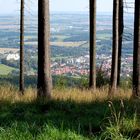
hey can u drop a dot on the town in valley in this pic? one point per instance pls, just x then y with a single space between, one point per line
69 44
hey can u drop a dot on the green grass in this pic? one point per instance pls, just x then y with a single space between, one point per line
71 114
4 70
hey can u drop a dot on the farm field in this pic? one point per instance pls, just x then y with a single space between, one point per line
5 50
4 70
65 44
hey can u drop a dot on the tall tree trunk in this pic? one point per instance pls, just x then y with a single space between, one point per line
121 27
92 76
44 72
21 83
114 69
136 61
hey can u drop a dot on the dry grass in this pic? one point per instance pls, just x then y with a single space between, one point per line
88 95
12 94
71 114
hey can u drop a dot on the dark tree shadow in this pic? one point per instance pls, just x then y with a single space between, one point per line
83 118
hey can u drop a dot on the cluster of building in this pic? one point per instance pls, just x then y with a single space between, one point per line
77 66
9 54
12 57
80 65
74 66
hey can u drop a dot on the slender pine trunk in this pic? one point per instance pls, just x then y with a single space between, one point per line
121 27
92 76
136 61
21 82
114 69
44 72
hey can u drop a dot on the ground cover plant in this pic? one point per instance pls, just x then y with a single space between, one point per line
71 114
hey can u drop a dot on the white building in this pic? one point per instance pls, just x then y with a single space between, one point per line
13 57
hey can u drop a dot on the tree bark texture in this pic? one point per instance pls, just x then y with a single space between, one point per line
44 72
121 29
92 76
21 82
114 69
136 61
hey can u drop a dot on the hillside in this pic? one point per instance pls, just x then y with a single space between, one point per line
4 70
71 114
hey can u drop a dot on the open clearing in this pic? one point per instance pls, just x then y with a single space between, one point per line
71 114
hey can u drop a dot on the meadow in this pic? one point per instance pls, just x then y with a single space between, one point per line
4 69
71 114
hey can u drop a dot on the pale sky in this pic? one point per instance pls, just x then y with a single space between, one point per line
12 6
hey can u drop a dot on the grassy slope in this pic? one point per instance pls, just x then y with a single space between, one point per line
71 114
4 70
